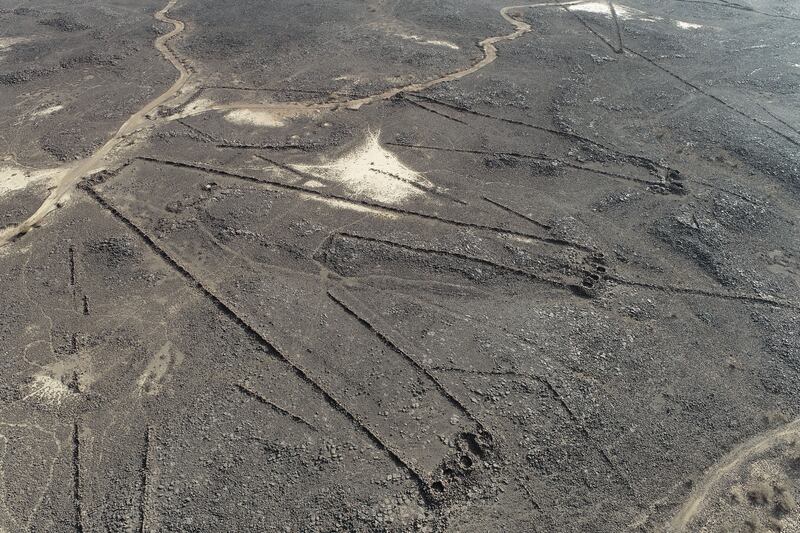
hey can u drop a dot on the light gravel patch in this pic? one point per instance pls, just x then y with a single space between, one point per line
370 171
246 117
13 178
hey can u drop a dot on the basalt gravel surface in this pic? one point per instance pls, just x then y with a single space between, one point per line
400 266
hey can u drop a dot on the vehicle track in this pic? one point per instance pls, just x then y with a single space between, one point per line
358 202
573 288
375 325
396 456
66 183
733 459
489 55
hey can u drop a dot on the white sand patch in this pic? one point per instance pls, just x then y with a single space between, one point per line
601 8
434 42
623 12
594 7
687 25
14 178
526 240
48 390
370 171
446 44
8 42
47 111
245 117
152 380
313 183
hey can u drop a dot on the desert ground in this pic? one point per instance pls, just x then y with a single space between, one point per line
400 265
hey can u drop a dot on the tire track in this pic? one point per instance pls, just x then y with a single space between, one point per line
70 178
67 182
260 339
284 90
278 409
672 175
702 292
678 77
591 30
364 203
517 213
729 5
488 47
733 459
576 289
620 47
578 423
779 119
715 98
543 159
404 98
557 397
358 310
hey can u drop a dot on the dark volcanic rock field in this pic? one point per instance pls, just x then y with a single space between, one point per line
400 266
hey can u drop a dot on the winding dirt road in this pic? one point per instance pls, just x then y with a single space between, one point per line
734 459
489 55
72 175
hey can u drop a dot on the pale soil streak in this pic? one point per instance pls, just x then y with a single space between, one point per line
489 55
732 460
70 178
4 490
95 162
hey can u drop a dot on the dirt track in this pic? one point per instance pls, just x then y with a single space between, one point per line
64 184
362 268
733 460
